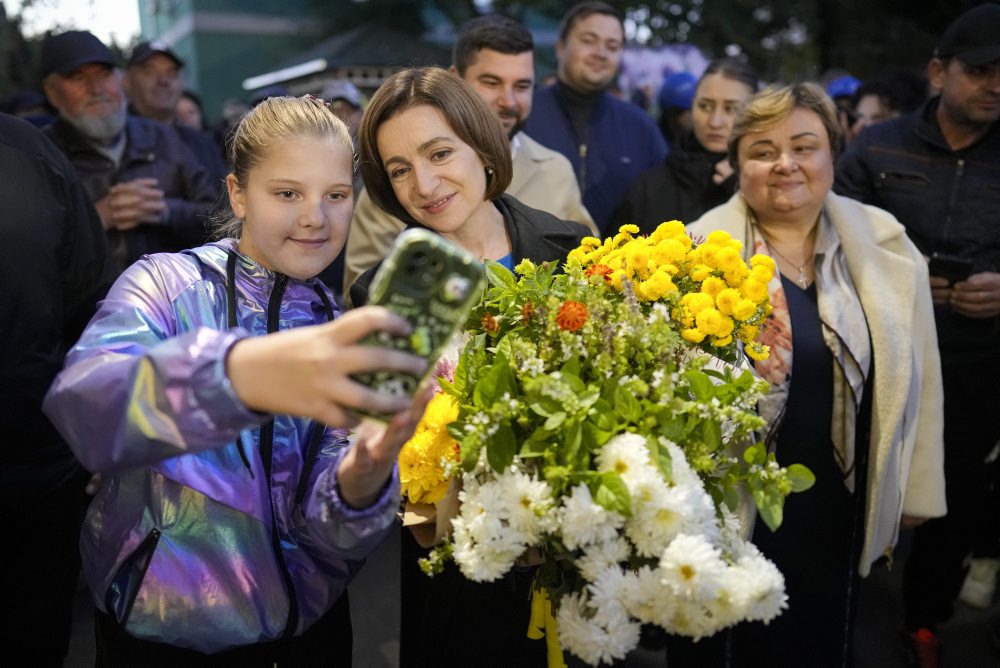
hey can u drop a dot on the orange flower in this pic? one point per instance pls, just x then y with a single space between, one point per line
490 324
572 315
601 270
527 311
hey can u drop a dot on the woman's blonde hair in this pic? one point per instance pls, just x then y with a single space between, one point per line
274 120
773 105
465 112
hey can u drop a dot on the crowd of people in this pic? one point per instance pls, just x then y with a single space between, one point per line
183 315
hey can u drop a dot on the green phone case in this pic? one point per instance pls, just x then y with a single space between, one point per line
432 283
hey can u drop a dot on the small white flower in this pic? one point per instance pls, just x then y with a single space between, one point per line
590 640
692 567
767 596
625 454
599 556
584 522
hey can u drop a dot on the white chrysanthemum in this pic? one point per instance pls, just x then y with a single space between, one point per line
647 598
526 501
692 567
767 596
692 619
625 454
731 598
607 596
584 522
590 640
658 516
480 511
681 471
486 561
599 556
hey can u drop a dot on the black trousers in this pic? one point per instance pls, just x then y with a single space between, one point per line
327 643
41 510
934 571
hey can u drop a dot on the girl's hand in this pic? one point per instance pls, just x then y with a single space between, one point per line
308 371
366 467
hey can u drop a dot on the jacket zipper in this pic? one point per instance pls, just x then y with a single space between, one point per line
266 452
953 196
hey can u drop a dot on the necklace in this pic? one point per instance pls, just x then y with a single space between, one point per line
803 279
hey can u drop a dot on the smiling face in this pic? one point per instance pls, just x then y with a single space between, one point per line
591 53
786 170
296 205
506 82
716 101
438 178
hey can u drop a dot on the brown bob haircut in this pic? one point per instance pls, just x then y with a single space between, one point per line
465 112
773 105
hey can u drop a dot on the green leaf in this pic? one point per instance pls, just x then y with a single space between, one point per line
470 446
571 367
673 428
755 454
501 448
500 275
770 505
612 494
800 477
627 406
493 384
701 385
711 434
555 420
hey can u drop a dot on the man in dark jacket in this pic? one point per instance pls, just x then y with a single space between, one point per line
52 272
147 186
938 171
153 84
609 142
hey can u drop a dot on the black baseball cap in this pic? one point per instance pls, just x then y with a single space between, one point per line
974 37
144 50
67 52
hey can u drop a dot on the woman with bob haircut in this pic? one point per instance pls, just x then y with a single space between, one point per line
436 156
854 371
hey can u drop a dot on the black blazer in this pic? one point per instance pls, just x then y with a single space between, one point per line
534 235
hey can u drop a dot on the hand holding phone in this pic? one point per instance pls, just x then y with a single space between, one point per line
433 284
950 267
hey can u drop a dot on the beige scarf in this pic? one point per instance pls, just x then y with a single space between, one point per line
845 332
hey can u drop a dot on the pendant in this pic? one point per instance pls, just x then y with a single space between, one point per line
803 278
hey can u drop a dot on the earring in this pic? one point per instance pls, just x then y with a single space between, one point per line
489 170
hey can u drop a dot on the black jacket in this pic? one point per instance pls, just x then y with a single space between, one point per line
53 270
949 201
680 188
534 235
152 149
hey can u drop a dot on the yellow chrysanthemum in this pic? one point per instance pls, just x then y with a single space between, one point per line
744 309
758 351
657 286
693 334
422 474
713 286
754 290
695 302
726 299
700 272
759 260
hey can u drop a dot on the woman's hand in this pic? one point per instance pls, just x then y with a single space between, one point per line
366 467
308 371
723 170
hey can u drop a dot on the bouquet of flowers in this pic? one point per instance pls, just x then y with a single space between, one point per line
601 425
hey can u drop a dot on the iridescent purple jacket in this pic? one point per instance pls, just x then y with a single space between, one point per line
179 544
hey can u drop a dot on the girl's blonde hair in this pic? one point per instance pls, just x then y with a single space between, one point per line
274 120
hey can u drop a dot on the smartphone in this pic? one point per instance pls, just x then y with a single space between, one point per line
952 267
432 283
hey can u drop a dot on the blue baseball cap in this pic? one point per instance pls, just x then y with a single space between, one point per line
67 52
844 86
677 91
